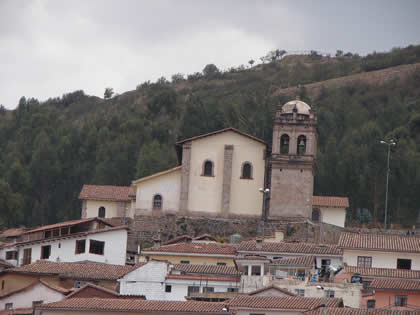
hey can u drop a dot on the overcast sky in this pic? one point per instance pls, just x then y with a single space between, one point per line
48 48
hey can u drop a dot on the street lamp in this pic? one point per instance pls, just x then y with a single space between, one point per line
389 144
325 298
265 192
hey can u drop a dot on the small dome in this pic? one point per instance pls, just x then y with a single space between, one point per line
301 107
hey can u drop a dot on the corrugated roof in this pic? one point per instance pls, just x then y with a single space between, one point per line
330 201
106 192
206 269
76 270
384 272
396 284
380 242
193 248
280 302
132 305
291 247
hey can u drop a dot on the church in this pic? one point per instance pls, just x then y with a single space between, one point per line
228 174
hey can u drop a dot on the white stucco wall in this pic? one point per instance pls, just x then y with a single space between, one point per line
92 208
167 185
205 193
63 250
3 255
335 216
381 259
38 292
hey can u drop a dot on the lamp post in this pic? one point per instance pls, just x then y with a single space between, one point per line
265 192
389 144
325 298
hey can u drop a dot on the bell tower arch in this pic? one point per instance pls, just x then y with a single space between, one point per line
293 160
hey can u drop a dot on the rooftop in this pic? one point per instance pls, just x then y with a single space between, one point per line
206 269
396 284
290 247
384 272
105 192
358 311
380 242
204 278
65 224
302 261
296 105
193 248
271 287
327 201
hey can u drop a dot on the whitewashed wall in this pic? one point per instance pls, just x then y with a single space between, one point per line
335 216
381 259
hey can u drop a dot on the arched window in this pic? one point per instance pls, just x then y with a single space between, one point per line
284 144
316 215
246 171
101 212
157 202
208 168
301 145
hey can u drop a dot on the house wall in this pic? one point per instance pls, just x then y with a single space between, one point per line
92 208
386 298
3 251
381 259
63 250
167 185
25 298
331 215
13 282
197 260
205 193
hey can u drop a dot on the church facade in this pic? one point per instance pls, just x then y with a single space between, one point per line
221 174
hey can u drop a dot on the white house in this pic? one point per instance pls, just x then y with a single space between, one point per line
380 250
160 280
78 240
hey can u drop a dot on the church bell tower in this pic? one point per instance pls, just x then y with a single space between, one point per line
293 160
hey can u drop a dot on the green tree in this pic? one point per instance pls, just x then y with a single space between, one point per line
154 157
108 93
11 206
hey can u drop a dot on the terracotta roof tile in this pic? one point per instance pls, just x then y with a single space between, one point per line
396 284
179 239
33 285
63 224
272 287
380 242
328 201
290 247
301 261
79 270
194 248
358 311
17 311
100 304
111 293
206 269
204 278
384 272
105 192
13 232
221 131
279 302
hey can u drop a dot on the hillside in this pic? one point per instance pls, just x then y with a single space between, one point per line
50 149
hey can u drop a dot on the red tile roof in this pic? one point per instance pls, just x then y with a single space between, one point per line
281 303
271 287
358 311
17 311
204 278
302 261
290 247
77 270
396 284
64 224
384 272
34 284
134 305
13 232
380 242
104 192
328 201
220 131
87 286
193 248
206 269
182 238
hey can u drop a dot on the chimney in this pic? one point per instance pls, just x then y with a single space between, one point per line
259 242
157 242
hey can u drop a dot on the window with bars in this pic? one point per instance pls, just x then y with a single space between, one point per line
157 202
364 261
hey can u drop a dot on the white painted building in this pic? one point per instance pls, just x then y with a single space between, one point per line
79 240
160 280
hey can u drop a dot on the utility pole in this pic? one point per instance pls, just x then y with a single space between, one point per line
389 144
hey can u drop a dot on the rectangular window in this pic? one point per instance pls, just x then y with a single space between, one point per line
96 247
185 261
403 263
221 264
80 246
193 289
371 303
233 289
8 306
330 293
2 284
11 255
364 261
45 251
401 300
208 289
256 270
168 288
300 292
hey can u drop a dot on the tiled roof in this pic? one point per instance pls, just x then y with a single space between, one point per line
327 201
194 248
291 247
104 192
280 302
17 311
358 311
271 287
142 179
252 257
301 261
13 232
206 269
204 237
384 272
34 284
204 278
5 264
220 131
381 242
111 293
77 270
132 305
63 224
179 239
396 284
